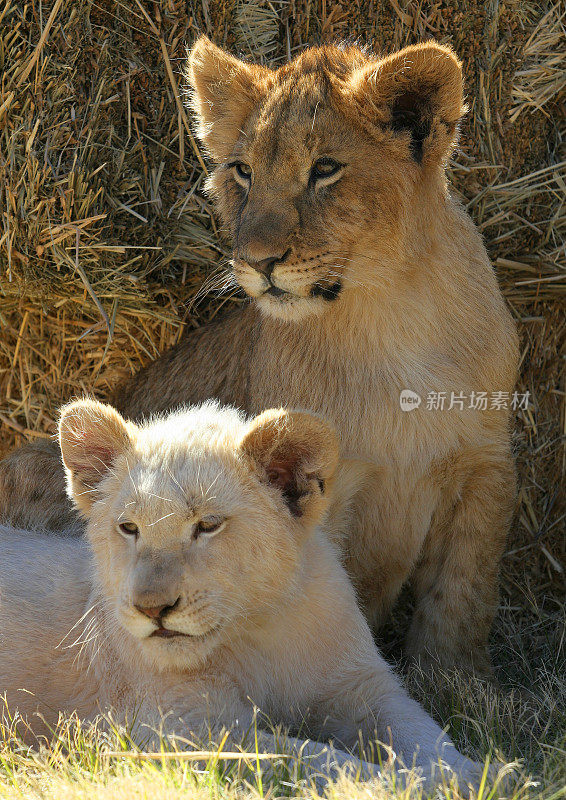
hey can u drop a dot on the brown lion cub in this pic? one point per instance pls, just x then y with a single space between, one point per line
205 588
368 279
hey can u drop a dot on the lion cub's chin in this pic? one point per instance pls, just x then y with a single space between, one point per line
291 308
179 653
289 299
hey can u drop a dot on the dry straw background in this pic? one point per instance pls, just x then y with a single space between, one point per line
106 236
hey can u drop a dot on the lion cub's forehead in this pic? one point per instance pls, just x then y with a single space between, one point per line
210 425
300 113
187 464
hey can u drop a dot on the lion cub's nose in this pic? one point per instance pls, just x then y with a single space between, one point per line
156 612
265 265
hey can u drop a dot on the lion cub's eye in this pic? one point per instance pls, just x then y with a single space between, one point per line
243 172
128 529
325 168
208 525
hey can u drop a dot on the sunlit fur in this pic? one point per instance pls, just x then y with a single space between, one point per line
270 615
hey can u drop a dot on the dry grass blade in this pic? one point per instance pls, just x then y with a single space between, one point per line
257 28
196 755
541 78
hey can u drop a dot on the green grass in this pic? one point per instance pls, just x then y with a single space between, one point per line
520 722
87 762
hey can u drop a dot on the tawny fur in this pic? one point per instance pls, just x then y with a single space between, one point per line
264 614
388 287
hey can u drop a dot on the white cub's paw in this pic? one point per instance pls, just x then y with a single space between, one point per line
467 773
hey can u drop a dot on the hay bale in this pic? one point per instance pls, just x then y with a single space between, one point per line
106 236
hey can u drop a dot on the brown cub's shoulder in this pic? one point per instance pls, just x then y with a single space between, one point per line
208 363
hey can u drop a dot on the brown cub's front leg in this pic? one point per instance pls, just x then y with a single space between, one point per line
456 579
32 489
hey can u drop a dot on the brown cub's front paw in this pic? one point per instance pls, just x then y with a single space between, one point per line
32 489
432 666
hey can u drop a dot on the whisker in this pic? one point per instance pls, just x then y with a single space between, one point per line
151 524
167 499
206 497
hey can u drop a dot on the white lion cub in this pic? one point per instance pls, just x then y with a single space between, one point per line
205 588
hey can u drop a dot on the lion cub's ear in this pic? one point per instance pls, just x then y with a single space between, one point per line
417 91
297 453
225 90
91 436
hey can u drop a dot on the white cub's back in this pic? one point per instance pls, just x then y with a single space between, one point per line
43 591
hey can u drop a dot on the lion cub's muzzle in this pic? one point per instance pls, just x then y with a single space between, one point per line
284 277
265 266
167 616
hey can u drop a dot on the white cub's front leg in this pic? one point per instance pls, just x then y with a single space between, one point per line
207 721
320 761
418 741
374 702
